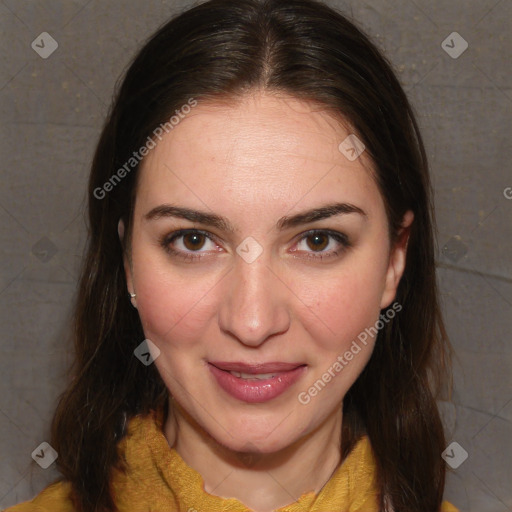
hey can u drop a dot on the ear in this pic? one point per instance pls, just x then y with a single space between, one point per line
126 262
397 259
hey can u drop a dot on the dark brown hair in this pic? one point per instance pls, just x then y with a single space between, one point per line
220 50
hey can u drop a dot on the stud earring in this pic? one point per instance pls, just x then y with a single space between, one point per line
133 295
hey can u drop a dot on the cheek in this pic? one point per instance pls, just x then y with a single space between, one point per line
171 307
344 306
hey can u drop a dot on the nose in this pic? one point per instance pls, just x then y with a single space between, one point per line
256 303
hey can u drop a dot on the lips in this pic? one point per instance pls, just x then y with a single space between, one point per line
255 368
255 382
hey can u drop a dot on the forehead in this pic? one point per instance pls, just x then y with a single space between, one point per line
255 152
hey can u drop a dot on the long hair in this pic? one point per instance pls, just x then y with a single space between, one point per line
221 49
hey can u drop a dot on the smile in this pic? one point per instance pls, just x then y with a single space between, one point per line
249 384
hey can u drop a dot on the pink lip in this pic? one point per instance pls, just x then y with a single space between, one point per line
256 391
255 368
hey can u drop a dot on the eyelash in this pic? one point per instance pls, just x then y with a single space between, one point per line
167 240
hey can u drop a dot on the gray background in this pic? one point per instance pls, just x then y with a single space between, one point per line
52 110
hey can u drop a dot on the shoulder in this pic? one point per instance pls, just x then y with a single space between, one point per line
446 506
53 498
361 464
56 497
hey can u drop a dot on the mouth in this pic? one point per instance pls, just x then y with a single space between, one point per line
256 383
255 367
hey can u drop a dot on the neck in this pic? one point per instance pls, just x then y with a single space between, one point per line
263 482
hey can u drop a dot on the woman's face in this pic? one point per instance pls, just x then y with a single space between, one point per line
256 279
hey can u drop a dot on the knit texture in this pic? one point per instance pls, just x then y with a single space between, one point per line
159 480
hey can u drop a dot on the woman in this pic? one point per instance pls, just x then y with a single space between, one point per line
257 325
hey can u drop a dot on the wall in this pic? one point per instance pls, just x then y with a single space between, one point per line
52 110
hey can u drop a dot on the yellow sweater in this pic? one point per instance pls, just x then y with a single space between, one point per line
159 480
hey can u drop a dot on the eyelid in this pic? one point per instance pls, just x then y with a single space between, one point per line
339 237
170 237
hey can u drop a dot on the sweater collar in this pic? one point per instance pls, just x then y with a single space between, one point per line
148 453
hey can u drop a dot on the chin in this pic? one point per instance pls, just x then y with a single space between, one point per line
267 439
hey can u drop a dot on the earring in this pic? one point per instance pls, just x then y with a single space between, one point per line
133 295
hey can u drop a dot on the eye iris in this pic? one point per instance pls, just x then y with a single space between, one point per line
316 237
197 243
194 241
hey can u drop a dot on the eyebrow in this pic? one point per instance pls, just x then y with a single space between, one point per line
221 223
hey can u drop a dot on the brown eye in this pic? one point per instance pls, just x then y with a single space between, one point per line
193 241
323 244
187 244
319 241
